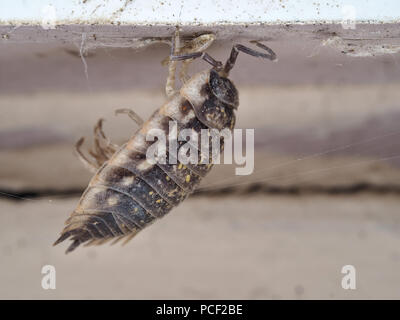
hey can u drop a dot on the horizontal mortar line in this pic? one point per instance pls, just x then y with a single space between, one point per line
255 188
259 188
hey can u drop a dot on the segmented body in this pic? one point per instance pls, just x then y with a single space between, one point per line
129 193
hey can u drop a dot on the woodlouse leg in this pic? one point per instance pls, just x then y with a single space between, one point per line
184 69
203 55
175 47
103 148
92 167
269 54
132 114
198 44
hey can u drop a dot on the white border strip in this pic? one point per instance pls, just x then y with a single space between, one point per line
197 11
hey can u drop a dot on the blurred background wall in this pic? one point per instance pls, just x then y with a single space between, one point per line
324 193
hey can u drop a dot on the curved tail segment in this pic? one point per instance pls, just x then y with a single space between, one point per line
95 229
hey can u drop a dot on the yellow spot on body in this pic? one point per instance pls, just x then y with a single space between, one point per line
112 201
159 201
167 178
151 192
136 209
187 178
180 166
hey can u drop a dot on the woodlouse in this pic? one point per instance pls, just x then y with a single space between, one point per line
127 193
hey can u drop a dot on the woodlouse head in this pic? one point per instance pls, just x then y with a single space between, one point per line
223 89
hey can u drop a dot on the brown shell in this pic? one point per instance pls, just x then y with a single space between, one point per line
128 193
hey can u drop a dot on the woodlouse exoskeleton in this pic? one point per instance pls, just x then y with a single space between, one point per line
127 193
